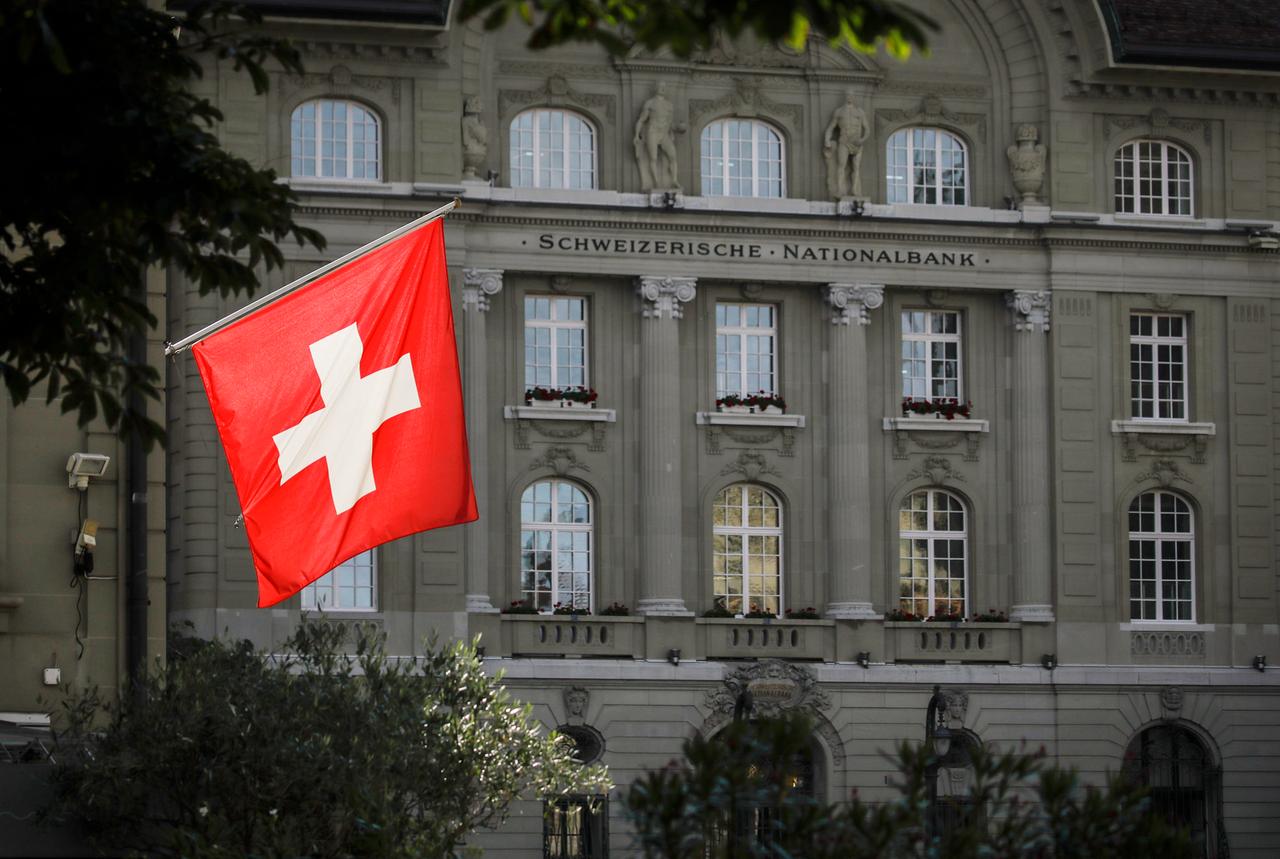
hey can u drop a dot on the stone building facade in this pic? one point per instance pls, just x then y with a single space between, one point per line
1077 248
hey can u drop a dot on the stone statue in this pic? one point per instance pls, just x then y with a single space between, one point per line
1026 163
575 702
842 149
475 138
655 143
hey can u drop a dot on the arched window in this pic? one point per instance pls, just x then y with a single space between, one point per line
1153 178
555 545
932 554
746 549
1174 765
742 158
335 139
927 165
552 149
1161 551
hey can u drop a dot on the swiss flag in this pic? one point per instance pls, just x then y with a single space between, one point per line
340 410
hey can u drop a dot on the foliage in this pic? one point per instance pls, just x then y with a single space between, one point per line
317 752
809 613
948 407
761 401
717 610
703 807
615 609
116 169
686 26
573 394
524 606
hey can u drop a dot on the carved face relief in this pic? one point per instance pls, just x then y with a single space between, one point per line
575 701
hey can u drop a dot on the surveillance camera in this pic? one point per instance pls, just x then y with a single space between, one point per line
82 466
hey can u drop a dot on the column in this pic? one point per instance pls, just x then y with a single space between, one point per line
478 284
1032 529
661 567
849 450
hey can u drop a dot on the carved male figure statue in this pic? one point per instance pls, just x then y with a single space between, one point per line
475 138
655 143
842 148
1026 163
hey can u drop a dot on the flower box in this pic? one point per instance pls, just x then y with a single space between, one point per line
564 398
942 408
761 403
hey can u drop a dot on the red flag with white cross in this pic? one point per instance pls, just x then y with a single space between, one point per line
340 409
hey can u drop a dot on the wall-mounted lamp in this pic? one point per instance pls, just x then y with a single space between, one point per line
1264 240
669 199
673 656
492 176
480 653
1260 662
83 466
864 658
1049 661
852 207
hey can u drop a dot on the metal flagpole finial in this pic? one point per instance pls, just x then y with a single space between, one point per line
192 339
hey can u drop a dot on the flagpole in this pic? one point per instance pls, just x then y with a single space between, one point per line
192 339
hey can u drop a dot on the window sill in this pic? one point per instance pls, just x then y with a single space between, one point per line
1166 626
937 425
1122 427
762 621
570 618
1160 220
740 419
942 624
361 187
559 413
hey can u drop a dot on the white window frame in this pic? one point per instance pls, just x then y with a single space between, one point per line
745 533
905 140
707 159
1163 541
928 337
356 114
555 325
561 539
322 594
1155 341
930 535
743 331
536 151
1129 200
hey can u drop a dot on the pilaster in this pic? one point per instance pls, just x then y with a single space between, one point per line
661 565
478 286
848 446
1032 526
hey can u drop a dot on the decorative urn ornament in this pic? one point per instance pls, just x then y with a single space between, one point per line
1026 163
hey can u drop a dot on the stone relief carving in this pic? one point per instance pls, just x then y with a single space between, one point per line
957 707
936 441
341 78
576 699
723 52
1165 472
662 296
561 460
557 92
560 431
1157 122
751 466
842 149
1026 163
936 469
745 100
475 138
426 50
774 686
478 285
1196 445
655 143
932 112
1171 701
1030 308
752 438
853 301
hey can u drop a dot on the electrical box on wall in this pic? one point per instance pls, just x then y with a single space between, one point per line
52 676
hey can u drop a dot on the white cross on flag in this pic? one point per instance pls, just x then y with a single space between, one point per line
340 410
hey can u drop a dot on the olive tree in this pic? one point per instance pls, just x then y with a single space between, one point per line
316 751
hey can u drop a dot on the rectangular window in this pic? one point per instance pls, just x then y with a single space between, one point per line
575 827
746 349
555 342
351 586
931 354
1158 366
